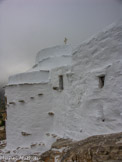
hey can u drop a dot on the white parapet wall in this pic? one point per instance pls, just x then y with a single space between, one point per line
88 102
32 77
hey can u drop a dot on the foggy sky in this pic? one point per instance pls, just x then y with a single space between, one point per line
26 26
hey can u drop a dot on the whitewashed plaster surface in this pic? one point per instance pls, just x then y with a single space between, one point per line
57 51
41 76
82 108
30 116
88 109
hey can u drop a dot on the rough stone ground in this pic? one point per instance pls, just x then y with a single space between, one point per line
100 148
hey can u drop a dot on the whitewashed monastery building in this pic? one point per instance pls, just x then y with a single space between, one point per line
69 93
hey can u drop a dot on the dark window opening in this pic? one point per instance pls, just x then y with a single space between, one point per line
101 81
61 87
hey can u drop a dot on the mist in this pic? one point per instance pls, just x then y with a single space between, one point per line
28 26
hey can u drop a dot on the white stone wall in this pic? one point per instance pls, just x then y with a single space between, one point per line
82 108
87 109
30 101
27 111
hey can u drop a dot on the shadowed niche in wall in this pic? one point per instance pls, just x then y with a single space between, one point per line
55 88
32 98
61 86
21 101
51 113
12 103
101 81
40 94
25 134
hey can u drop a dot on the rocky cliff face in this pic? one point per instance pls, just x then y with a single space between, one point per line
2 99
102 148
2 114
2 133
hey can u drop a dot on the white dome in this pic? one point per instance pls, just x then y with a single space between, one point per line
56 51
53 57
46 60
